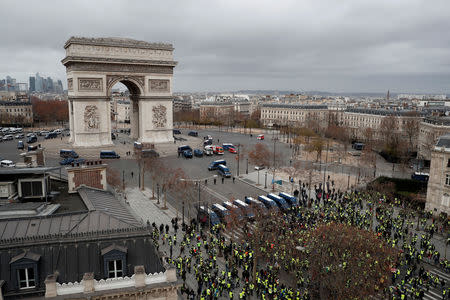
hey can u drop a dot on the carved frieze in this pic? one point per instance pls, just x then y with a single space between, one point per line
159 85
113 79
90 84
70 84
159 116
120 68
91 117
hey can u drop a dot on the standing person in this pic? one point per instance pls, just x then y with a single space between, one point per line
132 174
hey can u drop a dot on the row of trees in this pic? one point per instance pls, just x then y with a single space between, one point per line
230 119
49 111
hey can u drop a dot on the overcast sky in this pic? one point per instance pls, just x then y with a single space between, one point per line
342 46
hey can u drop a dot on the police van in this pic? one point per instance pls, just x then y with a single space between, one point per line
289 198
280 201
222 212
246 209
269 203
234 209
215 164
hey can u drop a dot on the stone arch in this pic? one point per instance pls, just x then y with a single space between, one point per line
95 65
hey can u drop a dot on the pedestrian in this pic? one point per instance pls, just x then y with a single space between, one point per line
233 179
132 174
223 179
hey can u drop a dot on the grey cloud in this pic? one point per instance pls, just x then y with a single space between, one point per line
329 45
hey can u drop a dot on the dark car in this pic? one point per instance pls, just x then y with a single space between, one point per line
207 142
51 135
176 131
113 136
32 139
67 161
20 145
198 153
193 133
187 153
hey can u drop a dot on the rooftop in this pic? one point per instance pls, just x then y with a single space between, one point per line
444 141
117 42
295 106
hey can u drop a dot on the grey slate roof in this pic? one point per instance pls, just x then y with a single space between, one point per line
444 141
105 202
27 255
19 171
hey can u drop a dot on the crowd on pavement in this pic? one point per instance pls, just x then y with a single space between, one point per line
213 266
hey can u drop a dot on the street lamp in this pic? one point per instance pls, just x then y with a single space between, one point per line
157 192
198 181
265 181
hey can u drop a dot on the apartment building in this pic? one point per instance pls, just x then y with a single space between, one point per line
438 192
431 128
16 112
284 114
216 110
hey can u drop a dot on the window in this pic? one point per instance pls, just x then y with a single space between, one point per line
31 188
25 278
447 179
115 268
448 163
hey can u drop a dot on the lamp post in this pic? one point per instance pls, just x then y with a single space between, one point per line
157 192
197 181
265 181
246 170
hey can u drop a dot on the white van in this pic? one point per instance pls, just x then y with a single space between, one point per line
7 164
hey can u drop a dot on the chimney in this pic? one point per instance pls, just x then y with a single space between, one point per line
92 174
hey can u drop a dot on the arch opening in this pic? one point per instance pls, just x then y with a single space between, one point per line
124 99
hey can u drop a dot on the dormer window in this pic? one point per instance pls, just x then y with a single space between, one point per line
114 261
24 268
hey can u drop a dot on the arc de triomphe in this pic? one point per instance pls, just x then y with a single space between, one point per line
95 65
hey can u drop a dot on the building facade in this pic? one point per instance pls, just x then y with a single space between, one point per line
300 115
16 112
431 128
438 191
215 110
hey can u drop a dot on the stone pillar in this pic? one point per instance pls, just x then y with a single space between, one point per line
134 118
171 275
50 286
139 276
88 281
172 294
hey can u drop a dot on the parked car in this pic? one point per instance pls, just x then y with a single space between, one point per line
176 131
8 137
32 147
113 136
43 132
30 134
207 142
259 168
32 139
20 145
64 153
198 153
67 161
182 148
193 133
7 163
19 136
260 137
232 150
187 153
51 135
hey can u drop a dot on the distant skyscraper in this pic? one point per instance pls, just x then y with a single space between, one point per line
32 84
387 96
50 85
39 85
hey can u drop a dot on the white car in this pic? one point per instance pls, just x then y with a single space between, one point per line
259 168
19 136
260 137
7 163
8 137
208 151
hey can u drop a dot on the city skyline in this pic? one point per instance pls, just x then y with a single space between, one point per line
223 46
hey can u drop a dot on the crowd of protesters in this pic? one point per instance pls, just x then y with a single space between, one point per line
224 269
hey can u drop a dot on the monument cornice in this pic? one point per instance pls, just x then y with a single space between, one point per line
88 98
117 42
107 60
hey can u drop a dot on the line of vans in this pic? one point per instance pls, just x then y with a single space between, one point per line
233 209
256 204
289 198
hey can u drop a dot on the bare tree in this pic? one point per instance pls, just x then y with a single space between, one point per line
317 146
390 135
411 128
113 179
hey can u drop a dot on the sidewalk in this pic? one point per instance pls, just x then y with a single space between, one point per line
147 209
